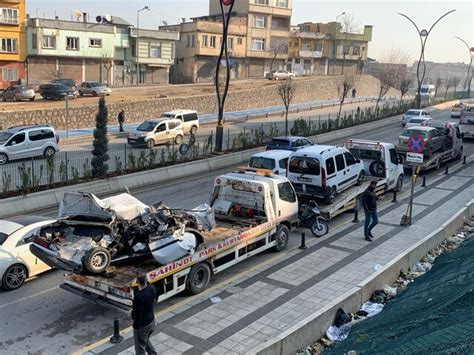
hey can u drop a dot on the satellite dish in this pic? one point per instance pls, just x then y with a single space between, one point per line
77 14
99 19
108 18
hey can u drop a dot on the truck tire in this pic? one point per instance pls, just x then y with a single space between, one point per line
331 196
97 260
281 237
198 278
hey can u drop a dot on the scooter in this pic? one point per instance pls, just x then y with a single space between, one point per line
309 216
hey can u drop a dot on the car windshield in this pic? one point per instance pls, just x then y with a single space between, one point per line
262 163
4 136
147 126
279 143
412 113
304 165
167 115
3 237
366 154
409 132
424 90
96 84
60 86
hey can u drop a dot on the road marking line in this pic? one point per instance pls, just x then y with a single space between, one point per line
28 297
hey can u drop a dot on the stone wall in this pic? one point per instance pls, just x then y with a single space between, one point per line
309 90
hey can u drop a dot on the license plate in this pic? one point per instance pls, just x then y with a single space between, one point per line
132 140
305 179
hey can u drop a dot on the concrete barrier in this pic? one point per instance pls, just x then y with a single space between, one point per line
315 325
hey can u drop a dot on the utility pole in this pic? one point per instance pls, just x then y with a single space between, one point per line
137 46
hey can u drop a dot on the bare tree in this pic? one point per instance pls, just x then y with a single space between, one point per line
456 82
448 84
277 47
437 84
387 79
346 84
348 25
286 91
107 64
404 85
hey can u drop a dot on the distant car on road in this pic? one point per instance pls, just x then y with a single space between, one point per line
18 93
280 75
413 113
421 121
55 91
157 131
17 263
94 88
71 83
292 143
274 160
27 141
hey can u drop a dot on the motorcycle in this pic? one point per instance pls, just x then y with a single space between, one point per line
309 216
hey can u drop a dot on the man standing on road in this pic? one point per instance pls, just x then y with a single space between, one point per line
121 120
354 91
369 201
143 316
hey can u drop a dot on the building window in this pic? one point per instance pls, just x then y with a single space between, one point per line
346 49
240 41
8 45
297 60
258 44
306 47
205 41
304 29
72 43
9 74
193 41
9 16
261 2
307 64
188 41
213 42
95 42
155 51
49 42
34 41
318 47
356 50
259 21
230 42
282 3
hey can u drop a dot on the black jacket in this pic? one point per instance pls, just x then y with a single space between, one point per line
369 199
121 117
142 311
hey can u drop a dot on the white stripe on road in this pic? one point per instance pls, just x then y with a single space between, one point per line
28 297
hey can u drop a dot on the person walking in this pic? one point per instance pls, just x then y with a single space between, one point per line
354 92
369 202
143 316
121 120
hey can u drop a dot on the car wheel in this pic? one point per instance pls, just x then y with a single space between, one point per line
151 143
32 99
94 93
3 158
194 129
49 152
97 260
16 98
360 178
199 278
281 237
399 185
331 197
178 139
14 277
81 93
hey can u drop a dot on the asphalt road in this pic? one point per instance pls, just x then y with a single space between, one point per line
41 318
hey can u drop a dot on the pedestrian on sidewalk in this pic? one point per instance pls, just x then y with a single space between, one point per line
354 91
369 202
121 120
143 316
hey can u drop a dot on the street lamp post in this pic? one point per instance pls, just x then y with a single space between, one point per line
423 38
137 46
223 53
335 45
469 69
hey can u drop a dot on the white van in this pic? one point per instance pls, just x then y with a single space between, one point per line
427 92
157 131
274 160
323 171
189 118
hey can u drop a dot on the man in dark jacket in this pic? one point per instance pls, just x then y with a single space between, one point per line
121 120
143 316
369 202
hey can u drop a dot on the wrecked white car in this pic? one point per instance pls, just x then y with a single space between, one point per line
92 233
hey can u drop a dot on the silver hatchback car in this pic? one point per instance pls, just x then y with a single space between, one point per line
93 88
27 141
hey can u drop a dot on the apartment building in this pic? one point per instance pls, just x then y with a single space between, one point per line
268 32
12 44
199 47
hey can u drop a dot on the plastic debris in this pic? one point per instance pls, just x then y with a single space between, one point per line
372 308
338 333
377 267
390 291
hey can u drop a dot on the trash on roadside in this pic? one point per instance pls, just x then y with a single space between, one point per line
216 299
377 267
338 333
372 308
390 291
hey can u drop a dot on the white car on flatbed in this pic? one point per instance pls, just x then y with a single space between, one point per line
253 211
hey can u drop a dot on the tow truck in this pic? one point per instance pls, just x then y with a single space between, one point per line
254 212
466 122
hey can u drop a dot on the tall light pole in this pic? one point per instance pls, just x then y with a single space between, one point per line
335 45
137 46
423 34
223 53
469 69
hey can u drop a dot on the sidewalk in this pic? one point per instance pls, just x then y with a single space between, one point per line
265 303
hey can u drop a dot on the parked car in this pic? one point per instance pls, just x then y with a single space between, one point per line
94 88
18 93
288 143
274 160
280 75
414 113
91 233
70 83
421 121
324 171
189 118
17 263
157 131
435 140
27 141
55 91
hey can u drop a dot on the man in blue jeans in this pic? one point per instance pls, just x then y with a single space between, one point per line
369 201
143 316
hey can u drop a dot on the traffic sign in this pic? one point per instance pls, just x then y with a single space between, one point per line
227 2
415 158
416 143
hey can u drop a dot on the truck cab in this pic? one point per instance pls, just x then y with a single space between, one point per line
380 160
466 122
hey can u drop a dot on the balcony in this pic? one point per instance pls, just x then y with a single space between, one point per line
309 35
311 54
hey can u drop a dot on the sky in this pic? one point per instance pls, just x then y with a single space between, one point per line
391 31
